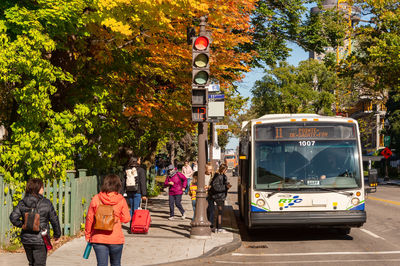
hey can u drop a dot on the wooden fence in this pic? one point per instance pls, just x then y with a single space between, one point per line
71 200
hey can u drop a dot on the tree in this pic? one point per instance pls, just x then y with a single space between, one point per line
374 64
89 83
287 89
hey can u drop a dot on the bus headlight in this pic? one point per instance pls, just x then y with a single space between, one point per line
355 201
260 202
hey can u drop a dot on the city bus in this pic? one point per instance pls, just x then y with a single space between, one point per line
301 170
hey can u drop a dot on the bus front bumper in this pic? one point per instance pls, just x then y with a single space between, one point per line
318 219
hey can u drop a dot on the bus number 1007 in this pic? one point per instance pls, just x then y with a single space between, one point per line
307 143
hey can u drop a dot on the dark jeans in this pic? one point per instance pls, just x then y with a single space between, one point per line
175 200
103 251
220 210
36 254
210 211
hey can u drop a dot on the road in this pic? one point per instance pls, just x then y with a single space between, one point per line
376 243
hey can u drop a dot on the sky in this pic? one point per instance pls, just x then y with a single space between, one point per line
297 55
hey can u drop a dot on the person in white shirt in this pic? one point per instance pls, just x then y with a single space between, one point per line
195 168
187 171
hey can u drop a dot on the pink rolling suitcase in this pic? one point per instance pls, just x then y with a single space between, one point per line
141 220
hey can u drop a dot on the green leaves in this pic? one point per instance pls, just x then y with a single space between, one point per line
287 89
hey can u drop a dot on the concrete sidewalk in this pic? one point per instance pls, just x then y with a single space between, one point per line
167 241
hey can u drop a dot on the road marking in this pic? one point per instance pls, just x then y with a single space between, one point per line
317 253
370 233
383 200
304 261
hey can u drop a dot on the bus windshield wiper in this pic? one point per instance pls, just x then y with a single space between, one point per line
334 190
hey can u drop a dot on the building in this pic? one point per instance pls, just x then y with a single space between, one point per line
369 108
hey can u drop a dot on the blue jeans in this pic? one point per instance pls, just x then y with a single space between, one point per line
188 185
103 251
134 201
194 207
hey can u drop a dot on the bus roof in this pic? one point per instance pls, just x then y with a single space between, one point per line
298 117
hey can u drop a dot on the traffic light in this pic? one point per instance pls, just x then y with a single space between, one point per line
200 77
201 58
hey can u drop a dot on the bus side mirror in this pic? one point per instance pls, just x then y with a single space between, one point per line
372 180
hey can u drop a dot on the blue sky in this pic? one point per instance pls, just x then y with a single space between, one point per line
297 55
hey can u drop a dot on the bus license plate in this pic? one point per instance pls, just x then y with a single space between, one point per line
313 182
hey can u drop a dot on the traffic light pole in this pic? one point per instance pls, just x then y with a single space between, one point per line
200 225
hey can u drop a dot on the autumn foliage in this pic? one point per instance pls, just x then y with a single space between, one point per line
96 81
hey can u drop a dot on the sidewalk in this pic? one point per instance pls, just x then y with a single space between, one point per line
167 241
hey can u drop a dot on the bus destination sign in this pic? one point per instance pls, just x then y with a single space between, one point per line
302 132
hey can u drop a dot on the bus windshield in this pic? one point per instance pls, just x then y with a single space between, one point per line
307 164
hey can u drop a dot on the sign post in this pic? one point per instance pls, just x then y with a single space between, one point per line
200 226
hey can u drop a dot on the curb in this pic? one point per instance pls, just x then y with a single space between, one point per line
229 247
220 250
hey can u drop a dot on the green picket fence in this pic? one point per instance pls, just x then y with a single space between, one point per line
71 200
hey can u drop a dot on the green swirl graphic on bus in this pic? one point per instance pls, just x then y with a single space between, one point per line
289 202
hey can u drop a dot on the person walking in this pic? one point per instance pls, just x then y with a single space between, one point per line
108 244
217 193
176 182
194 167
188 172
136 189
210 208
34 245
192 191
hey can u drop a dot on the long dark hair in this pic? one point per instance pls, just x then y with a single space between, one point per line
222 168
133 162
111 183
33 186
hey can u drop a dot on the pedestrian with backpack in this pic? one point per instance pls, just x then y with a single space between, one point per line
217 193
33 214
103 228
176 182
135 183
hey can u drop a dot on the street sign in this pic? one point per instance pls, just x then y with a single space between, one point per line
386 141
216 97
386 152
213 87
221 126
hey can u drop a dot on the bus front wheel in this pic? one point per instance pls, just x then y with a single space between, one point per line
344 231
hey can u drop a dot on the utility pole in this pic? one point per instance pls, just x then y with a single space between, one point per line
200 226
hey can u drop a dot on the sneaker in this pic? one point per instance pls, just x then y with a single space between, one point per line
221 231
183 217
171 218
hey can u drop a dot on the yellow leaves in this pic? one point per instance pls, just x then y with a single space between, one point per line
117 26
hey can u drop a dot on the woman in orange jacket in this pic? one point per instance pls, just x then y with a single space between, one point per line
108 244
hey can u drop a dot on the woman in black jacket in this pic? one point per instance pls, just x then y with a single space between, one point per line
33 243
218 191
140 191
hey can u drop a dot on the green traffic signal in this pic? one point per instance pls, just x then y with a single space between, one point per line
201 78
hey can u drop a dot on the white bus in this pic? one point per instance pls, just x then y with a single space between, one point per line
301 170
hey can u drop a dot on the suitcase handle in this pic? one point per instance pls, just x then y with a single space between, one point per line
140 206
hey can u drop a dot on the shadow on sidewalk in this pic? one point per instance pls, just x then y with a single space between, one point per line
179 229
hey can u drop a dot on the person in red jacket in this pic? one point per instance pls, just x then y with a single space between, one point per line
108 244
176 182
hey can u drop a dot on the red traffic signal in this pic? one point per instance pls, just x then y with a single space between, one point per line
201 43
386 152
201 60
